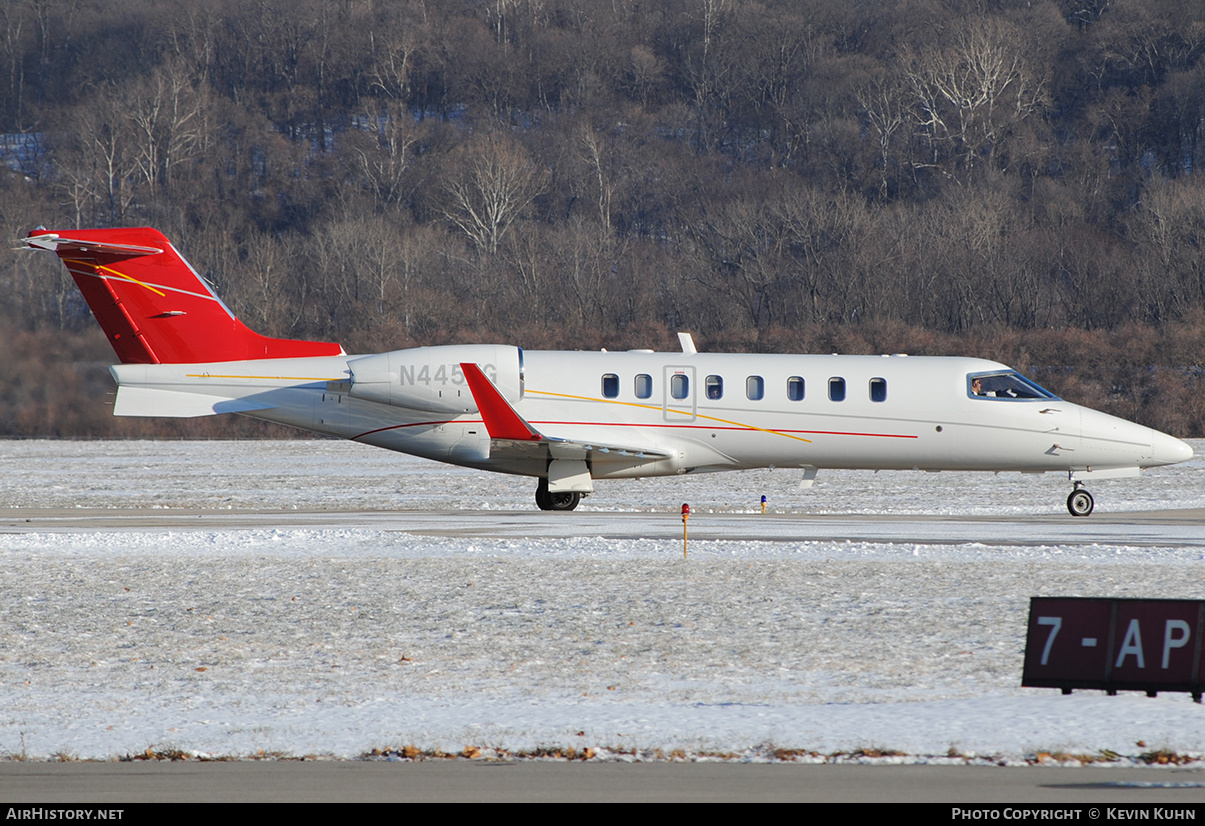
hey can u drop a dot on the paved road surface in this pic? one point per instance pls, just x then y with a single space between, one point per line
463 780
1167 527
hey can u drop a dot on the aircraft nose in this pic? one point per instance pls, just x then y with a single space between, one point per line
1168 450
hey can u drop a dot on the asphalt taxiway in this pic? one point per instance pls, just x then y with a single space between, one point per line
538 781
1181 528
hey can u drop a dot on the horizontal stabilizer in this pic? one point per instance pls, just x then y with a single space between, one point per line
58 243
153 306
173 404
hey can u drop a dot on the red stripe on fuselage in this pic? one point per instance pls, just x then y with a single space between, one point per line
744 429
635 424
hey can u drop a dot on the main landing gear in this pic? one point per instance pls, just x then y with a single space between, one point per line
548 501
1080 502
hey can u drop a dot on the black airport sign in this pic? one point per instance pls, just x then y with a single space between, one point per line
1116 645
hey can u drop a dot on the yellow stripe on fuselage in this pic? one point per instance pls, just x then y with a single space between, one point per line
671 410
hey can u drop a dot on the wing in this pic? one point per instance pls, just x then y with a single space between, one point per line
512 435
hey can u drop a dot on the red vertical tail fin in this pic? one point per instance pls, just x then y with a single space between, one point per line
153 306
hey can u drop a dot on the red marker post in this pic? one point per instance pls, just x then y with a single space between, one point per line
685 516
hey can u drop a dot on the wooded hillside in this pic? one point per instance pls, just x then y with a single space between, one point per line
1017 179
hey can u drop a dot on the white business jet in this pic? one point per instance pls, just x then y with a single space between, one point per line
570 418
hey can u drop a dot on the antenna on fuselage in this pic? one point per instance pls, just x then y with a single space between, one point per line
688 344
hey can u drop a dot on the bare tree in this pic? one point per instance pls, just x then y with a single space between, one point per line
393 47
1170 233
594 147
98 162
384 160
489 183
264 295
970 90
168 114
12 21
744 242
586 264
820 231
643 73
882 98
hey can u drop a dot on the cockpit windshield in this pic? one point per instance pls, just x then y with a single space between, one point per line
1004 385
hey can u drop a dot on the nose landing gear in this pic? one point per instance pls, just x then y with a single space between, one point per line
1080 502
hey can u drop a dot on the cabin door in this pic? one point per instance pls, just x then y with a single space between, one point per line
679 384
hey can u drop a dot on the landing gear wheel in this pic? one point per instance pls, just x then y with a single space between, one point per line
565 501
548 501
543 497
1080 502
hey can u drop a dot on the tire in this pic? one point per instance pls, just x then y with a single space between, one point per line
1080 502
548 501
564 501
543 497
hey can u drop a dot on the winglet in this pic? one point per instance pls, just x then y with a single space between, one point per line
500 418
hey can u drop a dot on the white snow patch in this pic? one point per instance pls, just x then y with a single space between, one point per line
338 641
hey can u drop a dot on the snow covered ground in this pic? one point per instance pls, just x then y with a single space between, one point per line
356 633
348 475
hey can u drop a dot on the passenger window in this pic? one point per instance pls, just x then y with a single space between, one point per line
715 387
795 388
679 386
878 390
755 388
644 386
836 389
610 386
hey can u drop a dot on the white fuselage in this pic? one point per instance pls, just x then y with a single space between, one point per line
898 412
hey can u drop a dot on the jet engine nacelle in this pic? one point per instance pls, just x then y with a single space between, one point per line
430 378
